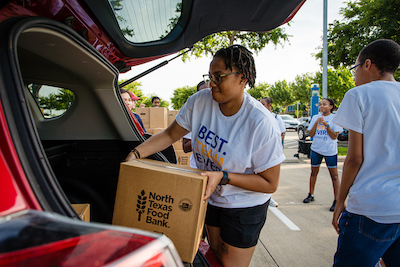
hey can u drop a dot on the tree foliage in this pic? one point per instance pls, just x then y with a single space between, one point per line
181 95
61 100
301 88
363 21
259 91
281 93
339 82
255 41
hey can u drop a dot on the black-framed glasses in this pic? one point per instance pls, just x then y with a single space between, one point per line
216 78
353 69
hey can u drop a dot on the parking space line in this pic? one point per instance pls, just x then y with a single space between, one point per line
284 219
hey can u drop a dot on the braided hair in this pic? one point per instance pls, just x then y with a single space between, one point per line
238 56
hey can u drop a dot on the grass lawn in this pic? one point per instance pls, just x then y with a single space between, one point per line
342 151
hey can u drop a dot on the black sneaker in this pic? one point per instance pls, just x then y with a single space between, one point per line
309 199
333 206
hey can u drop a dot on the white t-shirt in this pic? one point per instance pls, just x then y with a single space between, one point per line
247 142
192 161
280 122
323 144
373 109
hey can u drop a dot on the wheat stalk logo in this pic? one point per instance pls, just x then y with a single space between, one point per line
141 204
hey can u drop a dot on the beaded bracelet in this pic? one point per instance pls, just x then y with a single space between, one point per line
137 154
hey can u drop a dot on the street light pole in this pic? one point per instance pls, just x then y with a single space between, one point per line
325 52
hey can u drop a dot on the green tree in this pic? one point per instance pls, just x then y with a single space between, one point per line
363 22
181 95
61 100
339 82
148 103
134 87
255 41
301 88
281 94
259 91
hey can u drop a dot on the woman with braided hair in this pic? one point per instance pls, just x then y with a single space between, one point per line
237 142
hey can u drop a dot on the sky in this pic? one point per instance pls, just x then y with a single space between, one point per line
272 63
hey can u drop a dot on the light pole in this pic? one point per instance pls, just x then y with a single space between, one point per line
325 53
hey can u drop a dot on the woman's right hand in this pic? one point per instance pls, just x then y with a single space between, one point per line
214 178
130 157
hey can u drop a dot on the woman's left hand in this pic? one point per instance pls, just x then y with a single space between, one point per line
321 121
214 179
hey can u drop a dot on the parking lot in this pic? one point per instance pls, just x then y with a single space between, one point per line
298 234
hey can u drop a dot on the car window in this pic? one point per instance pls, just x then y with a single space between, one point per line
143 21
287 117
52 101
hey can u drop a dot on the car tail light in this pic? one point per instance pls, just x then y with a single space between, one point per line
38 239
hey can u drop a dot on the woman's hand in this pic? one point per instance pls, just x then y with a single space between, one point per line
321 121
339 208
131 156
214 179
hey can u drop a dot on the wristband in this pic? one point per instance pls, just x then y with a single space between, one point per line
136 153
327 126
224 179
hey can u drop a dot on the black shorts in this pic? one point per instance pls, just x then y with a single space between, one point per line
239 227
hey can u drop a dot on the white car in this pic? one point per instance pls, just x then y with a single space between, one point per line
290 122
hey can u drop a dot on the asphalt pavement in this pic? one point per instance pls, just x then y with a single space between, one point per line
298 234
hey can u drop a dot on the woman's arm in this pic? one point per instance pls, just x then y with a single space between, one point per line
266 181
352 165
160 141
311 132
332 134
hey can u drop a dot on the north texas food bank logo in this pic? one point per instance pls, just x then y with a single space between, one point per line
156 209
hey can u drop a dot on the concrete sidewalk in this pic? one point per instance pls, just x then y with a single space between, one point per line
295 233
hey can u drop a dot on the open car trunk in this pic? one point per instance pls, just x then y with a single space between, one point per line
74 150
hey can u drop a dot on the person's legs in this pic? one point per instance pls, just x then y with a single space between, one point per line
227 254
313 179
231 256
213 237
240 229
331 163
362 241
316 160
335 181
213 217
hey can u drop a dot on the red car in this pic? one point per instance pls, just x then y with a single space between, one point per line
65 129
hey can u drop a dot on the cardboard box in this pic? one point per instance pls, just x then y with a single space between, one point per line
144 114
178 145
171 115
183 159
83 211
164 198
153 117
158 117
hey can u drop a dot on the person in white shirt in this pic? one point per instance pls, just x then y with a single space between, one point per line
237 141
324 133
187 139
369 227
267 102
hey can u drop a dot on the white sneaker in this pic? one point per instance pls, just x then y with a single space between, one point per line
273 203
